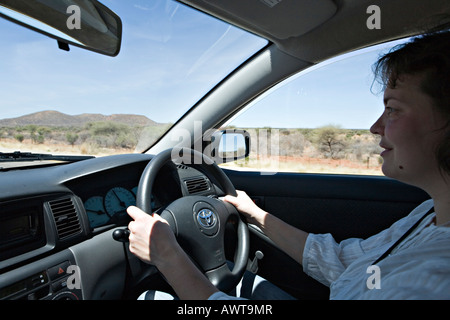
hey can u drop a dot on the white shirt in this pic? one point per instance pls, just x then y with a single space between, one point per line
418 268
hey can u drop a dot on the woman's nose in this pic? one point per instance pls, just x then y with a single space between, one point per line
378 127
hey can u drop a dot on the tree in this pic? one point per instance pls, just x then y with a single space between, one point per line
19 137
71 138
329 141
39 139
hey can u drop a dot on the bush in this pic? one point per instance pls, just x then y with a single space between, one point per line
71 138
19 137
112 135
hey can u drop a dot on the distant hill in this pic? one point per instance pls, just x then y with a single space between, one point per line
58 119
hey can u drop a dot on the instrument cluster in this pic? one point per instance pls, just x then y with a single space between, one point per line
111 207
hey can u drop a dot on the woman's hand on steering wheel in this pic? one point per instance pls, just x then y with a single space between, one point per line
151 238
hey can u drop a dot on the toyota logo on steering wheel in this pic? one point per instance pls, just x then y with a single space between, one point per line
206 218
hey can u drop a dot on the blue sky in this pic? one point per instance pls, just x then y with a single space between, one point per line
164 67
170 58
339 92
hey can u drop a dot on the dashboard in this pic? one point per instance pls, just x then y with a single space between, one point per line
58 217
107 194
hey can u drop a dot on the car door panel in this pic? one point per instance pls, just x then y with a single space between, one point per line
343 205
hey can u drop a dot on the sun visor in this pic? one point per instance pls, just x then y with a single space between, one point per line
281 19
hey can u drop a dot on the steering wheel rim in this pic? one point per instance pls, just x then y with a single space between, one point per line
203 242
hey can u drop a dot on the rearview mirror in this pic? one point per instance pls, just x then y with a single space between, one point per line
87 24
230 145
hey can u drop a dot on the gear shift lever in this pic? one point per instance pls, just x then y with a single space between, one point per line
121 235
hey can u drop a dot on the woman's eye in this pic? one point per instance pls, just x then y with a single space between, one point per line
389 110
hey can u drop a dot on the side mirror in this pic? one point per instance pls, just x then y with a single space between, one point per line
230 145
87 24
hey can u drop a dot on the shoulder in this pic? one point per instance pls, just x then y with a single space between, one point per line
421 209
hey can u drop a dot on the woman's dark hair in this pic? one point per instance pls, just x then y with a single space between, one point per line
427 55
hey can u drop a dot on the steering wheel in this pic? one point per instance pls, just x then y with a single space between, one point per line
199 221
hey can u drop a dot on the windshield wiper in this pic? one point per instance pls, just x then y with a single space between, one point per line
29 156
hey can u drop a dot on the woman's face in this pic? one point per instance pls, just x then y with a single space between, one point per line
409 130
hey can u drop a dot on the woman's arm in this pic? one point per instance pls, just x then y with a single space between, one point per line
288 238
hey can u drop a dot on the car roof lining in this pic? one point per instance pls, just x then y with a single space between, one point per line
325 28
263 16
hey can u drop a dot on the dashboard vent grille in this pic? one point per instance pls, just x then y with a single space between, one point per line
197 185
66 217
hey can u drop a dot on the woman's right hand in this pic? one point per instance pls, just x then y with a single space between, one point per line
245 205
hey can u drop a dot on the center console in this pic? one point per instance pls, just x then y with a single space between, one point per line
52 278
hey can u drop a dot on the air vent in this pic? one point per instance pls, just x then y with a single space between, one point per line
66 217
197 185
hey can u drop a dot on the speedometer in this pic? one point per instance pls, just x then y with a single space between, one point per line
117 200
96 211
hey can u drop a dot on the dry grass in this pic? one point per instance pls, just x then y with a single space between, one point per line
11 145
273 164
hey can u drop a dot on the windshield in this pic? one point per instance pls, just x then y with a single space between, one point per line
79 102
